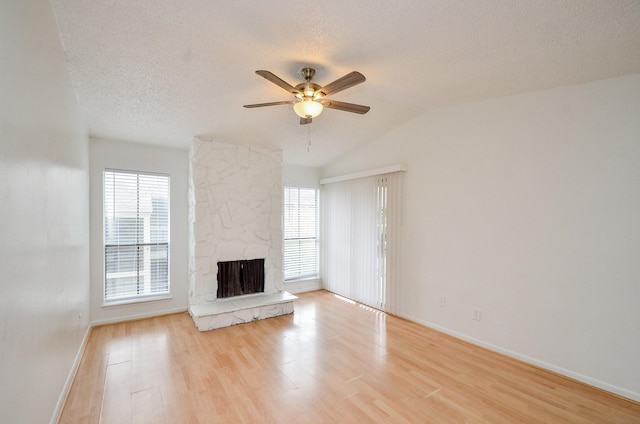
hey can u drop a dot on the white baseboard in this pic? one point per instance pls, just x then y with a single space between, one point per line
137 316
533 361
72 375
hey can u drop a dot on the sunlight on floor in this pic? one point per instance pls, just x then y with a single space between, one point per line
344 299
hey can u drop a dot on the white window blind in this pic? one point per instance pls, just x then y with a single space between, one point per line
300 233
136 235
360 228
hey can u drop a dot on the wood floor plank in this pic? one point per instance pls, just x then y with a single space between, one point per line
147 406
117 406
85 395
331 361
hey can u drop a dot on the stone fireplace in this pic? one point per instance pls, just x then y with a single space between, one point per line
235 214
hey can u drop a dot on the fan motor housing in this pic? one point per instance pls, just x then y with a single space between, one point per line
308 89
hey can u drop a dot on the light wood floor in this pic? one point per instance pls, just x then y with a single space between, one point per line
332 361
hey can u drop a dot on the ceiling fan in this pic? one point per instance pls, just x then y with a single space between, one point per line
311 98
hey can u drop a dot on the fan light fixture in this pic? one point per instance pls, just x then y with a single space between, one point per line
308 108
310 98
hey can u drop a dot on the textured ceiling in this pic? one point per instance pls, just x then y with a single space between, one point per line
163 71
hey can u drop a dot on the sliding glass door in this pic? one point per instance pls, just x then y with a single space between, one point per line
360 224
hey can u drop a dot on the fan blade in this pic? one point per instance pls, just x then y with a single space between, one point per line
277 81
349 107
343 83
270 104
304 121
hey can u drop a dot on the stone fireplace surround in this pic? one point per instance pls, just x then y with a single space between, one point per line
235 213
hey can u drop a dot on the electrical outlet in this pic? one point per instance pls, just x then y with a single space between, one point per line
476 314
443 301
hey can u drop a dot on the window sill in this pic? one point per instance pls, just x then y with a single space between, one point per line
298 280
132 301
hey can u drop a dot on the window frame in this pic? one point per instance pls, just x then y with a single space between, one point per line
163 242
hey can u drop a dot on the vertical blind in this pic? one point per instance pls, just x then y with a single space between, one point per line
300 232
136 234
360 225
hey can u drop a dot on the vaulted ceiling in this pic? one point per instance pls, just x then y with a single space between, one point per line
164 71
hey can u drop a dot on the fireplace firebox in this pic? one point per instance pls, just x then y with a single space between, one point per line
237 278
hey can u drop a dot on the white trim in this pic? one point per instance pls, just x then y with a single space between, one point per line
138 316
138 299
363 174
532 361
72 375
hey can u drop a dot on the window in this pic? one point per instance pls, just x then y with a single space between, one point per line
300 233
136 235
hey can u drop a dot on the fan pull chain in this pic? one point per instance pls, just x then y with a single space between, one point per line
308 138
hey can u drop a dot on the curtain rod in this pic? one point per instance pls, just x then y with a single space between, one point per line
363 174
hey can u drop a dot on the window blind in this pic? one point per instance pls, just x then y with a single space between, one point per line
300 232
136 234
360 226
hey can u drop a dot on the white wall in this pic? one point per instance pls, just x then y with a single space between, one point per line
44 219
140 157
528 208
301 176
